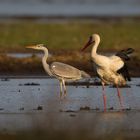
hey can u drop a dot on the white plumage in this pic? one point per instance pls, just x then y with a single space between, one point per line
107 67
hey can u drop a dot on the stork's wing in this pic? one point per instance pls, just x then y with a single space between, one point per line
116 63
124 55
119 66
124 71
65 70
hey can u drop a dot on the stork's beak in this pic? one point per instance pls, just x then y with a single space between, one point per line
90 41
30 47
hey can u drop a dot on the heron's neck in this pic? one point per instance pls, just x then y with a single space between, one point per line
44 62
94 48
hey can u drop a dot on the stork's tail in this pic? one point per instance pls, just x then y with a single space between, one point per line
124 54
84 74
129 51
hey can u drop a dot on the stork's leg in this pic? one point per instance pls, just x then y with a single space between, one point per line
61 89
104 96
119 96
64 85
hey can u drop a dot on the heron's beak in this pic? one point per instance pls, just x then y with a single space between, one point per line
30 47
90 41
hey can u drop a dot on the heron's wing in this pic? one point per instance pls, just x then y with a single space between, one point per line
65 70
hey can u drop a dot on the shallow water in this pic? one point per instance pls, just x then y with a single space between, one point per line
25 55
26 104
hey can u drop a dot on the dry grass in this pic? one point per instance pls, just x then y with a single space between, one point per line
33 65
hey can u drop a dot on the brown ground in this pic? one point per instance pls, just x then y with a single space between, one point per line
33 65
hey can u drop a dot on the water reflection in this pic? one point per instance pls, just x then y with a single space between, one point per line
66 114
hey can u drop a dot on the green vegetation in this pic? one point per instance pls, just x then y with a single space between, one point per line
62 39
72 36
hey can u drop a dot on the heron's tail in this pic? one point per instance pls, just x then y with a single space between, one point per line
124 54
84 74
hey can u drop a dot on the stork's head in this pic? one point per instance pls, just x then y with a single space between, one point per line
95 38
37 47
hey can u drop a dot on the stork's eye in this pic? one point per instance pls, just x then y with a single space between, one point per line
90 39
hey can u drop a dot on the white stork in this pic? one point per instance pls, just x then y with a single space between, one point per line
112 69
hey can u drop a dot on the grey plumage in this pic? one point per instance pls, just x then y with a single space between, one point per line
63 72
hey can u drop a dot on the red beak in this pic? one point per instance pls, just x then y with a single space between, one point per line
90 41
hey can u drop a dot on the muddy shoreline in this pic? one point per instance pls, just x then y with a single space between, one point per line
30 66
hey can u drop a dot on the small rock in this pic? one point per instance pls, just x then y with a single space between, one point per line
128 109
39 108
5 79
138 85
69 111
22 108
85 108
72 115
111 108
29 84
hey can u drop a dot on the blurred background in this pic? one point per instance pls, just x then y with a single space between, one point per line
64 26
66 8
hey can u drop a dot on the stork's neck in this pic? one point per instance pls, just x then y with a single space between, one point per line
44 62
94 49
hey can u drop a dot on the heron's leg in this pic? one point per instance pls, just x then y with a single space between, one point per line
119 96
104 96
61 90
65 91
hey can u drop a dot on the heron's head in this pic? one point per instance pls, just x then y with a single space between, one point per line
37 47
95 38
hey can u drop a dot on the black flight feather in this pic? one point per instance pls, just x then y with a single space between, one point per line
124 55
125 73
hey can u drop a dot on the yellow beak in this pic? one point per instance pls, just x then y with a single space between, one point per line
32 47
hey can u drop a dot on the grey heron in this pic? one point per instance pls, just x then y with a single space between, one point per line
63 72
110 69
